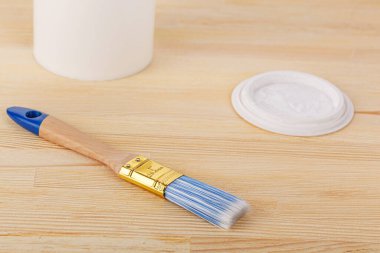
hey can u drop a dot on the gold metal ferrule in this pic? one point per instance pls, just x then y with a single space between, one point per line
148 174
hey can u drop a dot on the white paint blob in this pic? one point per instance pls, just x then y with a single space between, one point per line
292 103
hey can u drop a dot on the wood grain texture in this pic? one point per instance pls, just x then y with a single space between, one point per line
317 194
60 133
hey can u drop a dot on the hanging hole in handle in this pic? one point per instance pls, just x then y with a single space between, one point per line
33 114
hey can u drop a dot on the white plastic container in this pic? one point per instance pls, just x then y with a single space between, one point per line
94 39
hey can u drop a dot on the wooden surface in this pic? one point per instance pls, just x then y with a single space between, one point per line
317 194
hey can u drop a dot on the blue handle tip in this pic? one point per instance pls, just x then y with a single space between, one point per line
27 118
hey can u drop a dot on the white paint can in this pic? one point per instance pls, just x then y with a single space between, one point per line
94 39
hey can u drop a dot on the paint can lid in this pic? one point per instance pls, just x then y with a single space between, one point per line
292 103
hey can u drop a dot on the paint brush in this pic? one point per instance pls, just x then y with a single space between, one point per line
215 206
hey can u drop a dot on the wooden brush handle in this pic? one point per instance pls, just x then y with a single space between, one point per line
58 132
64 135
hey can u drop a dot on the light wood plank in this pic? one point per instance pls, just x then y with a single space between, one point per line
76 243
307 194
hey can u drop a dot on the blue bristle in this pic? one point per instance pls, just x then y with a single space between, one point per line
216 206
